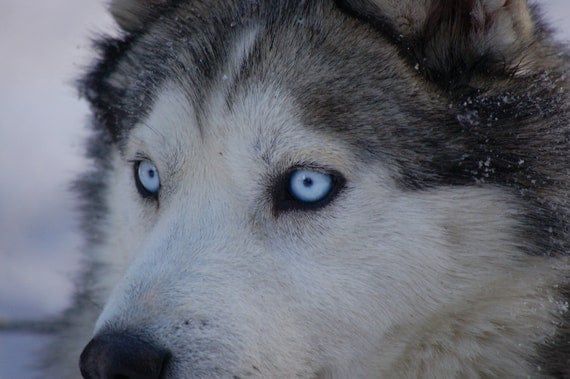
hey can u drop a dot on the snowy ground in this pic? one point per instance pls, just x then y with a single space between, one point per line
43 47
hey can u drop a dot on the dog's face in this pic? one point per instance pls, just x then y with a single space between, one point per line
284 204
261 230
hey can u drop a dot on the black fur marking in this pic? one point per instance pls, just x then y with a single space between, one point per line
102 97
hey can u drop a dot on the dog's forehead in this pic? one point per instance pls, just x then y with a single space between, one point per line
263 124
340 72
343 77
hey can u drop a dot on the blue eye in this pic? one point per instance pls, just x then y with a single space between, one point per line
309 186
147 179
305 189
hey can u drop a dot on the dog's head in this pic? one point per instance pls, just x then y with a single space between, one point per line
303 188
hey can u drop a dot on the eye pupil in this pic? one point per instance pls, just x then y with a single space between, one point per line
307 182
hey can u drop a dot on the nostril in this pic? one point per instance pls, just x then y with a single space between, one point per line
122 355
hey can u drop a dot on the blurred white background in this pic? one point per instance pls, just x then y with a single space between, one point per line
44 46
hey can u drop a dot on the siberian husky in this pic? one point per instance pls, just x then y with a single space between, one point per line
324 189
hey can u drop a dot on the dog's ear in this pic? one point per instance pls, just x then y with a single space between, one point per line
448 36
131 15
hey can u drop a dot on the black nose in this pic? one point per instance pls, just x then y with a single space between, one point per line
121 355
